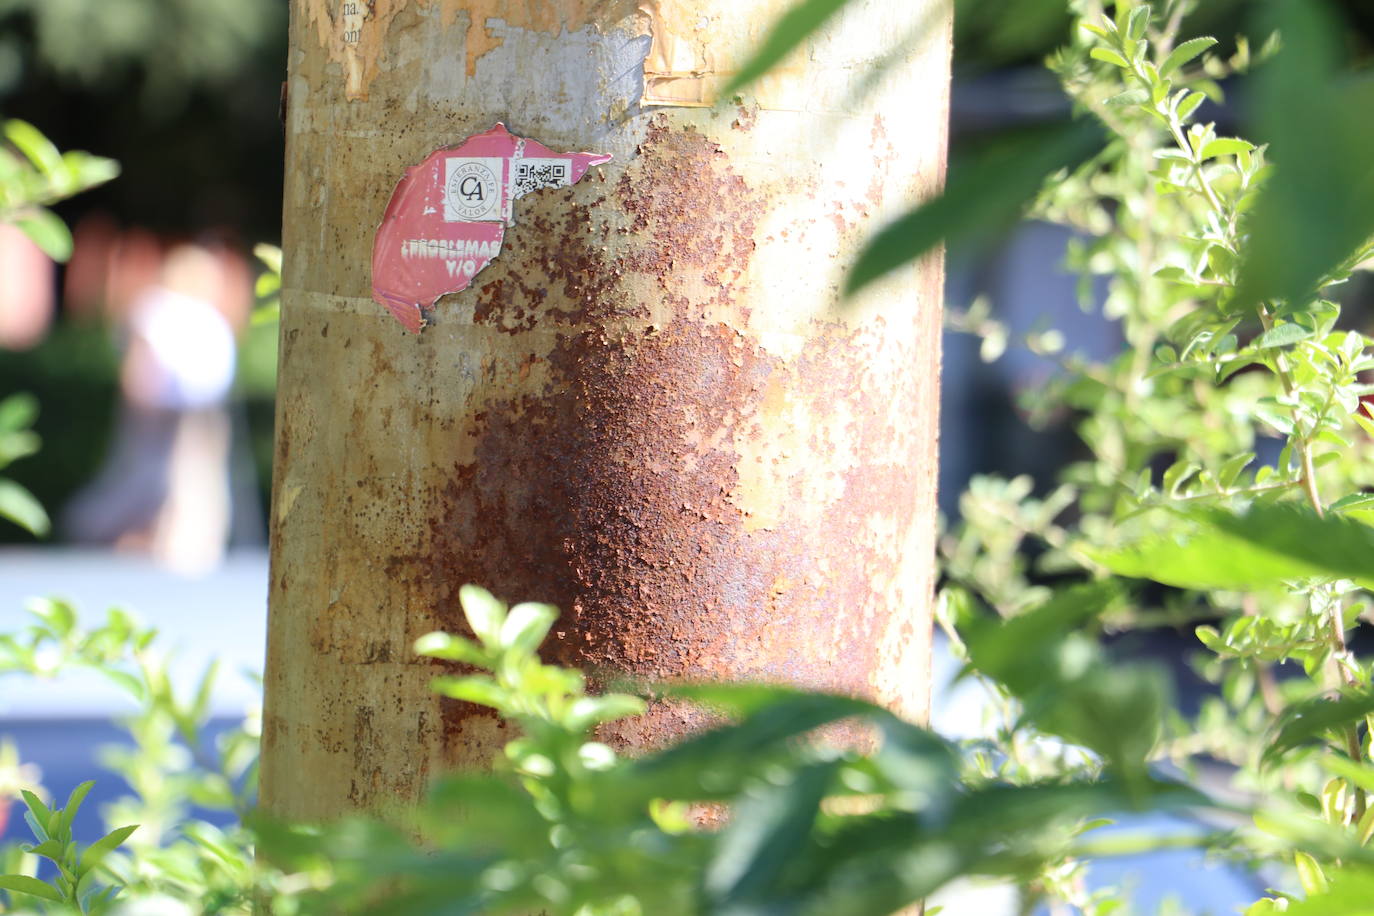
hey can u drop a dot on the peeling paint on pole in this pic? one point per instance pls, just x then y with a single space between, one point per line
650 409
688 59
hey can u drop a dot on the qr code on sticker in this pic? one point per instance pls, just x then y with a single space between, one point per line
533 174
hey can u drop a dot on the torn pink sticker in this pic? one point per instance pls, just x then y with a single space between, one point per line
447 216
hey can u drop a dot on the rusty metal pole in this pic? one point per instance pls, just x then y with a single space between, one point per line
649 408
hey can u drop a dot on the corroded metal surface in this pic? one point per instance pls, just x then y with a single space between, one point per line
648 410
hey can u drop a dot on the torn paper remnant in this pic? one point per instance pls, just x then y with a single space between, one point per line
448 215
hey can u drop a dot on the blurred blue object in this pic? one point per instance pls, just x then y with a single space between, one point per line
222 614
67 751
61 725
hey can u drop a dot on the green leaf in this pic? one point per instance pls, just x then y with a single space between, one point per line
507 814
768 828
1318 207
1137 23
1355 773
18 505
1184 53
716 763
1262 548
1225 146
266 285
17 412
880 864
37 148
200 706
983 195
1001 38
48 849
475 689
31 886
1233 467
1179 473
1349 894
39 811
742 700
1015 651
266 315
1354 502
14 446
526 626
128 681
57 614
1129 97
95 898
800 22
588 711
1034 807
1310 874
1114 710
913 758
269 255
1309 719
484 614
1109 56
84 171
60 825
1171 152
1281 335
453 648
103 847
46 230
1190 104
1043 658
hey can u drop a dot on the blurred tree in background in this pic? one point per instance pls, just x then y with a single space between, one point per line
172 45
184 91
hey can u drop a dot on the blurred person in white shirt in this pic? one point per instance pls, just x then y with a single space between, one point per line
164 489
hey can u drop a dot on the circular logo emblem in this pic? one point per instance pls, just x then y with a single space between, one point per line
472 190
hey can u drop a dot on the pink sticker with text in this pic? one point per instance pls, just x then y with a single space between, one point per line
448 216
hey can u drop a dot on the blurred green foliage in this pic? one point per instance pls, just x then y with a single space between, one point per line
171 862
1226 448
74 371
563 825
18 440
168 46
257 371
33 176
75 887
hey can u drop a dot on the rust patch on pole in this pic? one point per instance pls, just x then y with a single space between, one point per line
614 483
617 488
